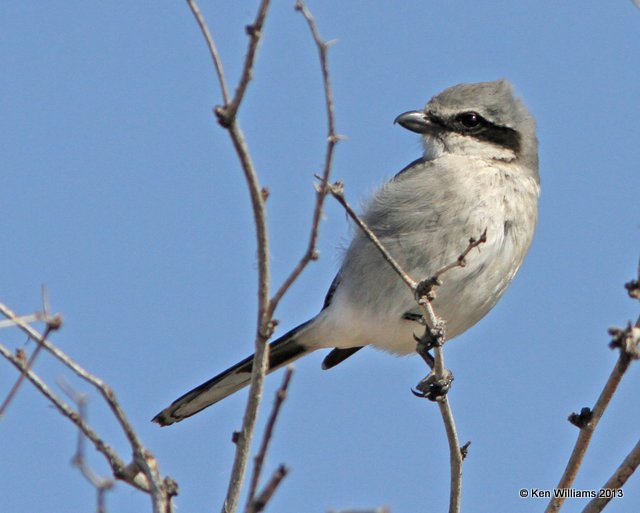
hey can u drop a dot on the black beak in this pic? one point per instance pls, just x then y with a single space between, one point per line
415 120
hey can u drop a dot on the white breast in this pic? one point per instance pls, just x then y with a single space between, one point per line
425 220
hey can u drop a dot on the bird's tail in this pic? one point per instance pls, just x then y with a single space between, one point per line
281 352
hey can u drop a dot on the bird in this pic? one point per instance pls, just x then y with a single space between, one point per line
478 171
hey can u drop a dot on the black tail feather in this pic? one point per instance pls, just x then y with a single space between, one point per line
337 356
284 350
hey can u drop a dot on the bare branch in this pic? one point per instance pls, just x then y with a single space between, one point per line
227 113
616 481
227 118
337 191
213 50
627 342
455 455
10 323
264 323
117 465
627 353
253 504
461 261
265 496
436 385
52 324
161 490
32 333
101 484
311 252
440 378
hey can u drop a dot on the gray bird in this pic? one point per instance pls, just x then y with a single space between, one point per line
479 171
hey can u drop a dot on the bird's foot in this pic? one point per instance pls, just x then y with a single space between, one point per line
434 387
432 337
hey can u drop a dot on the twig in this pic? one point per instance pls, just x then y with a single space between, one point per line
264 323
311 252
101 484
436 385
434 331
161 490
461 260
226 115
422 290
117 465
627 341
265 496
32 333
9 323
227 118
52 324
587 428
213 50
337 191
455 455
255 33
616 481
253 504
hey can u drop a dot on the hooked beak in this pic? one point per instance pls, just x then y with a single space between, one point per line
415 120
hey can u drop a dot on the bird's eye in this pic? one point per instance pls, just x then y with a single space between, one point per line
469 119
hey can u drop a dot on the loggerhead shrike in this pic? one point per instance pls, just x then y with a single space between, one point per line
479 171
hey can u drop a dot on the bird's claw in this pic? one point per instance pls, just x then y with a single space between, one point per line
432 337
433 387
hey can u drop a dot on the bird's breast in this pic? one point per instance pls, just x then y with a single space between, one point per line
425 219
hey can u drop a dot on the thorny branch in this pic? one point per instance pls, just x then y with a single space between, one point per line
436 384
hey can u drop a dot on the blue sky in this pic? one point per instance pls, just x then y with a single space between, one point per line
122 194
